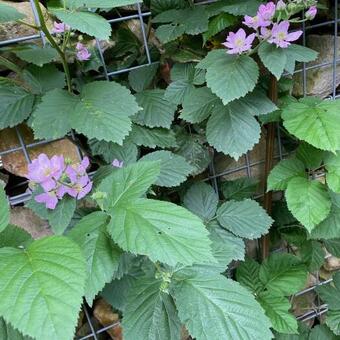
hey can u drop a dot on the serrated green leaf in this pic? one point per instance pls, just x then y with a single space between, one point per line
155 228
309 156
328 228
283 172
312 254
159 6
44 79
150 313
4 209
178 90
100 3
43 282
37 55
332 164
277 308
102 255
245 218
322 332
16 103
44 116
218 24
152 138
283 273
127 184
127 152
332 246
273 58
188 72
174 168
104 111
13 236
247 274
156 111
204 300
202 200
235 7
58 218
240 188
314 121
199 104
85 22
298 53
9 13
229 77
333 321
308 201
169 32
7 332
232 131
141 78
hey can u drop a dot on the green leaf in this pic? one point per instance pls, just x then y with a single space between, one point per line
100 3
218 24
155 228
7 332
283 273
152 138
128 152
332 164
283 172
240 188
43 282
232 131
169 32
328 228
174 168
150 313
202 200
203 301
85 22
199 104
141 78
310 156
273 58
245 219
102 255
312 254
16 103
299 53
13 236
37 55
127 184
44 79
314 121
247 274
277 308
333 321
9 13
156 111
332 246
235 7
4 209
308 201
60 217
103 111
229 77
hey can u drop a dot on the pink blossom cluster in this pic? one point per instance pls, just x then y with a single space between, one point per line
58 178
60 27
83 53
266 29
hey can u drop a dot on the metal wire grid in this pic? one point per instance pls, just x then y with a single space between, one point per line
213 176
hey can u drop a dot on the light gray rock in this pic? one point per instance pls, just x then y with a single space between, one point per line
320 79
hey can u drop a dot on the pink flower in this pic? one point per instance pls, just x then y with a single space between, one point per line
45 171
280 6
280 36
117 164
49 198
265 33
60 27
266 13
311 13
238 42
252 22
83 53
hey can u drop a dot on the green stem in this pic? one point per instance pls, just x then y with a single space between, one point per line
11 66
54 44
28 25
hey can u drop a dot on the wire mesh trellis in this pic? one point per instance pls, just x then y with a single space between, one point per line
214 176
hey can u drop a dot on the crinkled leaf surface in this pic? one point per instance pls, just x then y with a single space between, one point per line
229 77
239 189
245 218
328 228
247 274
102 255
13 236
37 55
41 287
4 209
7 332
332 164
